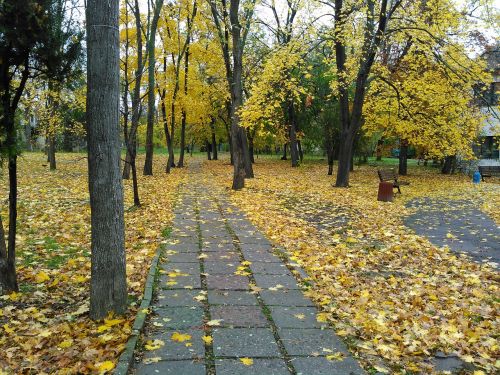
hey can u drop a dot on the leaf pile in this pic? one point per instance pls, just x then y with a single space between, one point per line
390 293
45 327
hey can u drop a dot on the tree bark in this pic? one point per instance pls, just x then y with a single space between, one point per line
214 141
108 288
294 151
8 279
378 151
449 164
250 146
51 152
148 163
403 157
207 146
284 157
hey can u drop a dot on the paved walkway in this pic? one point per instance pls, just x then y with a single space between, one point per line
221 281
458 224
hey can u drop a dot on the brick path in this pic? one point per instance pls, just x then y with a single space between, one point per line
221 279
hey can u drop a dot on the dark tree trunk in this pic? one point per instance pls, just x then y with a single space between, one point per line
330 161
449 165
208 147
8 279
378 151
126 166
294 151
301 152
284 157
214 141
180 163
108 284
403 158
51 152
191 149
148 163
250 146
345 152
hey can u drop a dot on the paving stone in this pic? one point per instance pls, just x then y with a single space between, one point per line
218 248
322 366
450 363
244 342
172 367
179 317
260 256
227 282
275 366
183 258
294 317
310 341
223 267
183 247
239 316
271 281
188 267
180 282
283 297
174 298
231 297
227 257
269 268
177 350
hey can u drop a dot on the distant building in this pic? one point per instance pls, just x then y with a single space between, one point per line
487 149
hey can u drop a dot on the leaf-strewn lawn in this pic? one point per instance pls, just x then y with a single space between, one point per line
45 328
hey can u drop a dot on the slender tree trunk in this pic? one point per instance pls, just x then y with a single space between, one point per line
51 152
449 165
378 151
345 152
403 157
284 157
250 146
294 151
148 163
191 149
108 284
180 163
8 279
214 141
330 161
207 146
301 152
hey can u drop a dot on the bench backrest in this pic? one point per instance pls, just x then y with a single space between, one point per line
387 174
489 169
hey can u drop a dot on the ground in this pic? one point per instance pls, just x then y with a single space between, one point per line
397 300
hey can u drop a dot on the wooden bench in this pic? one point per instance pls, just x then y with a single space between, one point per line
391 174
489 171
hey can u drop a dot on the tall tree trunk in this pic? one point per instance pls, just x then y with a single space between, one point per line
8 279
51 151
449 164
285 147
108 284
148 163
330 160
378 151
214 141
208 147
180 163
250 146
301 152
403 157
294 151
345 152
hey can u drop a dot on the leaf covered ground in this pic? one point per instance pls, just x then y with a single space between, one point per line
45 327
389 292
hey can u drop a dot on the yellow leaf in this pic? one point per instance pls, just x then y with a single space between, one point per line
214 322
8 329
112 322
65 344
338 356
207 339
41 277
300 316
80 279
103 328
148 361
105 366
322 318
154 344
180 337
247 361
14 296
45 333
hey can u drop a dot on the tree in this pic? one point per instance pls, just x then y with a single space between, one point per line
28 48
228 21
108 286
148 163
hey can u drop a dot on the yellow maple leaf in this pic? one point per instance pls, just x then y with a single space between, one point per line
65 344
207 339
338 356
105 366
7 328
180 337
214 322
246 361
154 344
113 322
41 277
300 316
